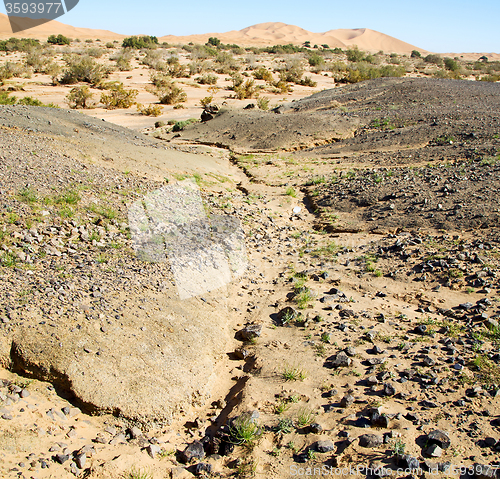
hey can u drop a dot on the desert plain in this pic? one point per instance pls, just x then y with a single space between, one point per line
358 176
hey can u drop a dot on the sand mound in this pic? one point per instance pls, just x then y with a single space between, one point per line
281 33
53 27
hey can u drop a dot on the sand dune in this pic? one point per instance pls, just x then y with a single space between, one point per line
281 33
52 27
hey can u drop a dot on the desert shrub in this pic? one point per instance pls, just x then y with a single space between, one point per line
281 86
206 79
80 97
89 40
226 63
123 61
263 73
84 69
18 44
245 90
237 80
371 59
200 52
6 99
354 54
30 101
35 60
435 59
118 97
282 49
169 93
159 79
316 60
53 70
149 110
263 103
363 71
180 125
214 41
307 81
292 71
490 78
176 70
95 52
140 42
58 40
416 54
14 69
110 45
451 65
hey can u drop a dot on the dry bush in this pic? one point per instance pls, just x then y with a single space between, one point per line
80 97
118 97
14 69
122 59
84 69
245 90
168 92
263 74
206 79
94 52
149 110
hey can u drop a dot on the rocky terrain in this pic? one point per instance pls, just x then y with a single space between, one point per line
363 334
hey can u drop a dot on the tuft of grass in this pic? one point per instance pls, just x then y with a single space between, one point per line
293 373
305 416
304 298
398 447
138 474
28 195
8 260
290 192
245 431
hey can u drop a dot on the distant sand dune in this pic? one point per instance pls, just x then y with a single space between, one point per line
262 34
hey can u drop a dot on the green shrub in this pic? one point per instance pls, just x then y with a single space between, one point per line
169 93
451 65
79 97
58 40
416 54
435 59
263 73
214 41
6 99
118 97
140 42
316 60
354 54
30 101
18 44
180 125
307 81
84 69
95 52
206 80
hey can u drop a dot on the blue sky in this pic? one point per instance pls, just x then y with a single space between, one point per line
439 25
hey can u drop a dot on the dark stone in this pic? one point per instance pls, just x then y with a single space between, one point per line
315 428
193 451
202 468
252 331
370 440
379 420
346 401
389 389
341 360
408 462
325 446
61 458
438 437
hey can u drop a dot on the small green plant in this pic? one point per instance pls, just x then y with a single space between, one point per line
303 298
398 447
325 338
293 373
290 192
28 195
263 103
285 426
118 96
8 260
305 416
311 454
245 431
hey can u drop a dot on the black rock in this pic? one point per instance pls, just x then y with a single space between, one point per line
346 401
325 446
370 440
389 389
379 420
408 462
193 451
202 468
341 360
438 437
61 458
252 331
315 428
